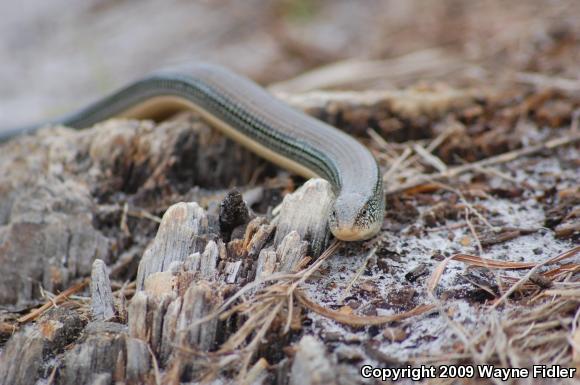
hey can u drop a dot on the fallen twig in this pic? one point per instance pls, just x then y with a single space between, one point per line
355 320
54 301
474 260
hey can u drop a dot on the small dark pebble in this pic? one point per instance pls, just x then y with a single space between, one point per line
402 299
383 252
374 330
416 273
438 256
383 265
353 304
346 353
332 337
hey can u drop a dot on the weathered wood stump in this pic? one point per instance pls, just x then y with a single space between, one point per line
183 277
170 282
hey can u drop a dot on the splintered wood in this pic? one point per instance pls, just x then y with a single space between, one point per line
215 288
185 277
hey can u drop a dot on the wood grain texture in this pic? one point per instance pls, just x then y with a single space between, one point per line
102 303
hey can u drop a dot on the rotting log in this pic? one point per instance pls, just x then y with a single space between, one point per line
69 198
184 275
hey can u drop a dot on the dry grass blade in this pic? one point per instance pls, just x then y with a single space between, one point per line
571 138
256 373
430 159
390 153
474 260
540 80
351 72
564 269
469 206
247 328
357 275
397 164
565 255
263 304
355 320
53 302
562 293
520 336
473 232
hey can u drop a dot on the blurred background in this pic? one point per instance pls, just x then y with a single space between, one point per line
57 55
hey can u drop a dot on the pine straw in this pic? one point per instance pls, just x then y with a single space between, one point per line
543 331
571 137
542 327
271 305
473 260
